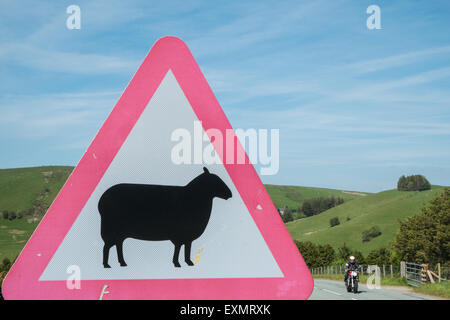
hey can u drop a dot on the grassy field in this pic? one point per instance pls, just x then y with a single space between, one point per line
293 196
26 189
382 209
21 188
13 236
435 289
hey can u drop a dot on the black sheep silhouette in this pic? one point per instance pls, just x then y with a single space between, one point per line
158 212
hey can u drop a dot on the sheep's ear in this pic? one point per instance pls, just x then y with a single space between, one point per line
205 170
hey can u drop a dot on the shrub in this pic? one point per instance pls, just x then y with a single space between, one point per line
12 215
334 221
373 232
6 264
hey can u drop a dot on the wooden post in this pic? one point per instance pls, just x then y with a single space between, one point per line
384 271
424 273
430 276
402 269
392 273
439 271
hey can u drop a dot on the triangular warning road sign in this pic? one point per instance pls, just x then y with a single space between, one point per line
131 223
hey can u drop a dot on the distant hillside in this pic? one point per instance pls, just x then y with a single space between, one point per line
382 209
27 188
31 190
293 196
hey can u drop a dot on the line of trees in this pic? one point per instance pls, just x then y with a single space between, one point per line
316 255
311 207
413 183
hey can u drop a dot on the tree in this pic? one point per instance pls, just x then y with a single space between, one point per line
316 255
413 183
344 252
379 256
309 252
334 221
307 209
425 238
326 254
359 257
287 215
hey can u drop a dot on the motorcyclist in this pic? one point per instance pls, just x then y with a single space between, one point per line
351 265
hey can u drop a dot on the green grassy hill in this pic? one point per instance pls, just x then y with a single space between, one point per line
383 209
24 188
32 190
29 191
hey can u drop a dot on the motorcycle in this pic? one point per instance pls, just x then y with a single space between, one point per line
352 281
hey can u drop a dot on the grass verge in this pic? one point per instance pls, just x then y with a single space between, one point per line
441 290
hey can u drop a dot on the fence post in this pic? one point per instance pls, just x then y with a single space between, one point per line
439 271
384 271
402 269
392 275
424 273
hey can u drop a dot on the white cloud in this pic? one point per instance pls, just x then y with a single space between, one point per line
72 62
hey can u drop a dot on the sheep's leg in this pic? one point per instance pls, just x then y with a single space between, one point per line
176 253
106 248
187 253
119 247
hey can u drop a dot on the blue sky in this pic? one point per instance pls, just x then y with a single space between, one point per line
356 108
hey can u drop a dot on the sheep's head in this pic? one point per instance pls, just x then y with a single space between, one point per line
215 185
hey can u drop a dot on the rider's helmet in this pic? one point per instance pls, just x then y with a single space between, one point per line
352 259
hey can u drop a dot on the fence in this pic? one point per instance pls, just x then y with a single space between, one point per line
385 270
415 274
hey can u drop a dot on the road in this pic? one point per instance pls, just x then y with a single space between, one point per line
335 290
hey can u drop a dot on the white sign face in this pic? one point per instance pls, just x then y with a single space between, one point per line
231 245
